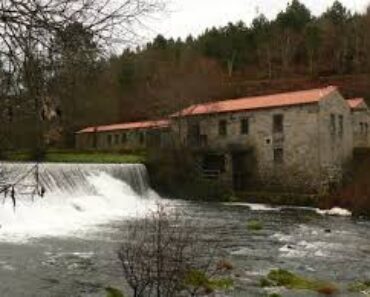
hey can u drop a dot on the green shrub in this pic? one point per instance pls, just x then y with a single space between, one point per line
359 286
112 292
255 225
198 279
264 283
284 278
174 173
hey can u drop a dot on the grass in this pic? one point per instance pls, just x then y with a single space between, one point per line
360 287
287 279
77 157
255 225
112 292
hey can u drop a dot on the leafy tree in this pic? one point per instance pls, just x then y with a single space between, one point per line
263 40
337 13
313 41
291 23
336 47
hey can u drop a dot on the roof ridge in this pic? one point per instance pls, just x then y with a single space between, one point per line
329 87
258 102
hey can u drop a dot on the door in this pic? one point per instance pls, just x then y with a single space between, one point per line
240 171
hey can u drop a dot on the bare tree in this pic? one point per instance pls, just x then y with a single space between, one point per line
36 22
28 31
165 255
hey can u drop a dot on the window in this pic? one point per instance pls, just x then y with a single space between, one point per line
332 125
214 163
244 126
278 123
278 156
193 136
362 128
116 139
341 125
123 138
109 139
141 137
222 128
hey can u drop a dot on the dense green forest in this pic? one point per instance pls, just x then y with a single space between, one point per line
296 50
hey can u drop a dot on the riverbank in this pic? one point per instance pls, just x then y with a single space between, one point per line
65 156
277 198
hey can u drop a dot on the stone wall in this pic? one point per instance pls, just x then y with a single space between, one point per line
297 142
361 128
336 137
302 155
123 140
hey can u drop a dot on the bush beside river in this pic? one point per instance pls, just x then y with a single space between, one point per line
354 194
173 174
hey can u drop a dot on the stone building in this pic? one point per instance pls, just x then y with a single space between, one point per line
124 136
299 139
360 121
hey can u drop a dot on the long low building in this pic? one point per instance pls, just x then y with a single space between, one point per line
124 136
299 139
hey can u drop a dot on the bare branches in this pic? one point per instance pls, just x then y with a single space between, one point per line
31 25
33 57
14 187
164 255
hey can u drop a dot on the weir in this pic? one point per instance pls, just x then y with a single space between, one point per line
73 179
77 198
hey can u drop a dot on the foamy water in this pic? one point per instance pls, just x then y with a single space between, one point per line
60 213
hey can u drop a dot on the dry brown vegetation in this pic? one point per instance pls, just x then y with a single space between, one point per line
294 51
355 192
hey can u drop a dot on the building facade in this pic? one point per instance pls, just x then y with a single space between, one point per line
360 122
300 140
125 136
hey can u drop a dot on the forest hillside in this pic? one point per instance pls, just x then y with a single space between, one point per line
294 51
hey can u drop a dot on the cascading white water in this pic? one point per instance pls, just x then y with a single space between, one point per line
77 198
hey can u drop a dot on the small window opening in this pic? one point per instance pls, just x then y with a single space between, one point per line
109 139
278 156
333 127
341 125
222 128
278 123
141 138
244 128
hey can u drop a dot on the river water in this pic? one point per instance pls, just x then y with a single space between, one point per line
65 245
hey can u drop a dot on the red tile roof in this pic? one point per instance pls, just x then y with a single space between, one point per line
260 102
127 126
356 103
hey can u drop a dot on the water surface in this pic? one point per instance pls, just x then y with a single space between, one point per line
65 245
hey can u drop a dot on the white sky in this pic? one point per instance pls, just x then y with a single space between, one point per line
186 17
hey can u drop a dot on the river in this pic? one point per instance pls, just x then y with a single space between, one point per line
64 245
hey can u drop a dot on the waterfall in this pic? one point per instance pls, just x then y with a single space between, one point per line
77 197
73 178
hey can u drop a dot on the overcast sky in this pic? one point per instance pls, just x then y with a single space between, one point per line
194 16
